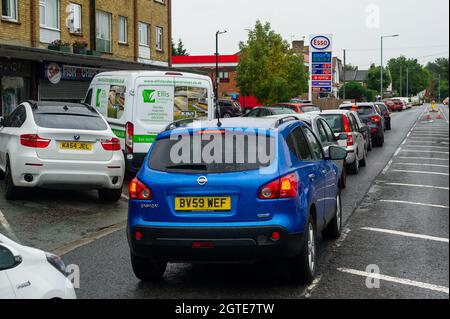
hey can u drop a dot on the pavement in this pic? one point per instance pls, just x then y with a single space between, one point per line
91 234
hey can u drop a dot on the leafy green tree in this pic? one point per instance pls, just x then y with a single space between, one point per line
179 49
438 69
354 91
350 67
418 76
373 78
268 68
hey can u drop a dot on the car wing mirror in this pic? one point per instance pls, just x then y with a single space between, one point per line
2 122
9 258
336 153
341 136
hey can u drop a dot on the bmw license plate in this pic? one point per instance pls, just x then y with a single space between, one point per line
203 203
75 146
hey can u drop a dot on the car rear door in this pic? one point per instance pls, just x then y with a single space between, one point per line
11 132
359 138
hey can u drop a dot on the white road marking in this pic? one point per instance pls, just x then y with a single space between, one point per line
405 234
402 281
425 158
422 151
419 172
428 146
419 186
311 287
413 203
443 136
125 197
424 164
7 227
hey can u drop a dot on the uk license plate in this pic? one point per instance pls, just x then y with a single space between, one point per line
203 203
75 146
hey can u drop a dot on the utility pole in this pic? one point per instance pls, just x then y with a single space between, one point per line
439 89
407 82
381 80
345 74
401 81
217 68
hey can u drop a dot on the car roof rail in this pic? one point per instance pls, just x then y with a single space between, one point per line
179 123
285 119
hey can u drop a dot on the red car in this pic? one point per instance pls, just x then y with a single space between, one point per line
299 107
395 105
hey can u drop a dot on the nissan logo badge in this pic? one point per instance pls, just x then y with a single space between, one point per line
202 180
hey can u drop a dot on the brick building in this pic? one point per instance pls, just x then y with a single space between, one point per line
114 35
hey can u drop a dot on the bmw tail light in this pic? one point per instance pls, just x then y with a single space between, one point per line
129 137
139 191
33 140
111 145
285 187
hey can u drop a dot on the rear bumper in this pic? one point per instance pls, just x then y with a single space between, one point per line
68 174
228 243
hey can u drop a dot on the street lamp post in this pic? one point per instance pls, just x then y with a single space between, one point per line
217 68
382 38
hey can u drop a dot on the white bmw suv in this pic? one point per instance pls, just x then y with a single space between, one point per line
60 145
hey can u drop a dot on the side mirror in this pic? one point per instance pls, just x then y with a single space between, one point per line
337 153
341 137
8 258
2 122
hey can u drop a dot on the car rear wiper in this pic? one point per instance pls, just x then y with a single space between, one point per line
193 167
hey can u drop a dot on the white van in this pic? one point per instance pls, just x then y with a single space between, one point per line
140 104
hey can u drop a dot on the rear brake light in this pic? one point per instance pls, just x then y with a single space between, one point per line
285 187
375 118
111 145
33 140
346 125
129 136
350 140
139 191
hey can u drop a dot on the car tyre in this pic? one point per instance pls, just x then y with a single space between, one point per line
343 181
12 192
363 162
353 168
334 228
110 195
302 268
2 175
147 270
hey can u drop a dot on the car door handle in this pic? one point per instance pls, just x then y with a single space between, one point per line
324 171
312 176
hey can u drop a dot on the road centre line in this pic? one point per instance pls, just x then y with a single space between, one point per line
419 186
428 146
422 164
402 281
405 234
419 172
413 203
7 227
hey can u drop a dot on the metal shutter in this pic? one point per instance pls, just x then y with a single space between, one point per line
63 91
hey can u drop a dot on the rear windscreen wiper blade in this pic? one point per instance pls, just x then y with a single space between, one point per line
193 167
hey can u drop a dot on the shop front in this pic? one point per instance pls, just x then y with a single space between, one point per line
15 84
63 82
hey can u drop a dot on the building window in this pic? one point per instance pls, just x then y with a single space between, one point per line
224 77
103 41
9 9
49 14
123 30
75 18
143 34
159 39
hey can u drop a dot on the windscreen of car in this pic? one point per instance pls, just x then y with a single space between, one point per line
237 152
310 108
335 121
360 109
71 120
282 110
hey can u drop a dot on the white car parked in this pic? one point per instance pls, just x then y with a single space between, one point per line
61 146
28 273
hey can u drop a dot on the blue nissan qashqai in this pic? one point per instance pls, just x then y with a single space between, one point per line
235 190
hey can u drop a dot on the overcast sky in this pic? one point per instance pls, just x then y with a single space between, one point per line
423 25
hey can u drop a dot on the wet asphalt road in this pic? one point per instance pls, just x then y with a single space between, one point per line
50 220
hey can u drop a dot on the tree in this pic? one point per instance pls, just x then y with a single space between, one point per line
438 68
268 68
354 91
179 50
350 67
373 78
418 76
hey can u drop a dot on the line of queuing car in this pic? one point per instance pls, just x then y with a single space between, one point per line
261 186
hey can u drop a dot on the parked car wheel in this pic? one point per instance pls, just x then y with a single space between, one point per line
110 195
2 175
343 180
147 270
302 268
363 162
12 192
353 168
379 142
334 228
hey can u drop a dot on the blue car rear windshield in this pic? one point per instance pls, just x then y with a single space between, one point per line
214 153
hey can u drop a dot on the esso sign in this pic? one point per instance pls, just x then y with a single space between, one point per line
320 42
